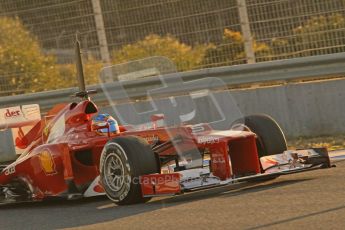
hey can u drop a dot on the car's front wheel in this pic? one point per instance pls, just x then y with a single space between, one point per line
123 161
270 137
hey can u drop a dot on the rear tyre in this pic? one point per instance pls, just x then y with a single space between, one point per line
271 139
123 160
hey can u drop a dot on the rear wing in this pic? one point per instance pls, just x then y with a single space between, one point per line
19 116
15 123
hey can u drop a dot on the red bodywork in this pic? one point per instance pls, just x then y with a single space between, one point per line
63 153
47 165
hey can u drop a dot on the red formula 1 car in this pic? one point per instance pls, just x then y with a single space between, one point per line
65 156
68 158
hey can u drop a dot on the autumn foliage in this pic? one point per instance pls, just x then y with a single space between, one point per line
25 68
184 56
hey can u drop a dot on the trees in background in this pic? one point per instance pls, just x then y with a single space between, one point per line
322 32
318 35
25 68
184 56
68 73
231 50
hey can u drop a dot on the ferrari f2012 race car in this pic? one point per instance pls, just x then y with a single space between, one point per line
65 155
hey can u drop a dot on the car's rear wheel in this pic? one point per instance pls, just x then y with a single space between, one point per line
123 161
271 139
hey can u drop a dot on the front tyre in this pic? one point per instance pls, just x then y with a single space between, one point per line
123 161
271 139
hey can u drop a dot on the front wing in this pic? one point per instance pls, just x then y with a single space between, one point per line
289 162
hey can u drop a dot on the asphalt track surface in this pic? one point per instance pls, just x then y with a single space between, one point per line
310 200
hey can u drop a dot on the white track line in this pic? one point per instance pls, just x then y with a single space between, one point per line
337 155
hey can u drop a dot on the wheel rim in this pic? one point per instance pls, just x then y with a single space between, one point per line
114 172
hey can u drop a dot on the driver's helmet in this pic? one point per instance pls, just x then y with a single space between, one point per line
101 120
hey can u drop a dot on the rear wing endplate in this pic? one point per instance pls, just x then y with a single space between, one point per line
19 116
